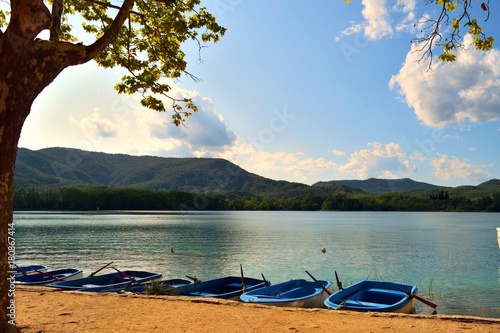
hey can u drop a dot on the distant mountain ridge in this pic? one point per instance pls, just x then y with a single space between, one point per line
53 168
67 167
379 186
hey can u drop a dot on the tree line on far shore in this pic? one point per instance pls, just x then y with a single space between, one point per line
89 199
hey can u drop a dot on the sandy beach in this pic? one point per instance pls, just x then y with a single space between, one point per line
45 310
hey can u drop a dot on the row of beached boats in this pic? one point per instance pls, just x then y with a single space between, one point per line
366 295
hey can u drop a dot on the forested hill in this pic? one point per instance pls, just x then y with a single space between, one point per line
72 179
379 186
64 167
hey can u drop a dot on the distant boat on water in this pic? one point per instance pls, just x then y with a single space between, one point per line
498 237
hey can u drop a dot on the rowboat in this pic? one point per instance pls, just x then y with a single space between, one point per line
48 277
107 282
229 287
294 293
28 269
375 296
164 284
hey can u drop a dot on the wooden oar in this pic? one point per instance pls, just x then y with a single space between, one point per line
423 300
321 284
243 285
21 270
194 278
339 283
100 269
131 278
49 275
267 283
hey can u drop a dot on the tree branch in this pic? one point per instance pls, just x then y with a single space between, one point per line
55 30
109 36
108 5
29 18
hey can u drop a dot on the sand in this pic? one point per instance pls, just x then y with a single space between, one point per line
45 310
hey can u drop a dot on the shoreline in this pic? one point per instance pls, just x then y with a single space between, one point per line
47 310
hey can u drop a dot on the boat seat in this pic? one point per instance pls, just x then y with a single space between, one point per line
386 292
202 294
362 304
297 292
235 285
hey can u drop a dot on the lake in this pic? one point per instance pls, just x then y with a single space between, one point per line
453 258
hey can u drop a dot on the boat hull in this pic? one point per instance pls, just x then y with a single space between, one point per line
229 287
45 278
106 282
374 296
294 293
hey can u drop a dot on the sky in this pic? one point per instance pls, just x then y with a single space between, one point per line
302 92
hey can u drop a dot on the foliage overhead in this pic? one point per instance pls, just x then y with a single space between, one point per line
148 46
446 29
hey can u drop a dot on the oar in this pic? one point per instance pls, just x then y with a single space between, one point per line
423 300
321 284
194 278
243 286
131 278
339 283
100 269
21 270
49 275
267 283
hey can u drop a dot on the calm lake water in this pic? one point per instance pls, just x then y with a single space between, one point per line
453 258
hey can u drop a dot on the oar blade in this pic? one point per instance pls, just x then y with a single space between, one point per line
423 300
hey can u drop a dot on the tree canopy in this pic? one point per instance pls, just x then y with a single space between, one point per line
148 44
445 30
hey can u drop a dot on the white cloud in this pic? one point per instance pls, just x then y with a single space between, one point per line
453 168
295 166
381 20
96 125
452 93
204 129
380 160
338 152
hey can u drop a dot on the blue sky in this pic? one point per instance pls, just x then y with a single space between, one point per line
302 92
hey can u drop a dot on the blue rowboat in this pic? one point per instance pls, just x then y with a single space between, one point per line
171 283
107 282
375 296
42 278
28 270
294 293
229 287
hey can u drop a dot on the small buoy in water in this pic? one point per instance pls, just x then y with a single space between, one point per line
323 250
172 250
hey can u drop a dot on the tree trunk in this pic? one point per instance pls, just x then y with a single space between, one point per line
26 68
14 108
16 97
